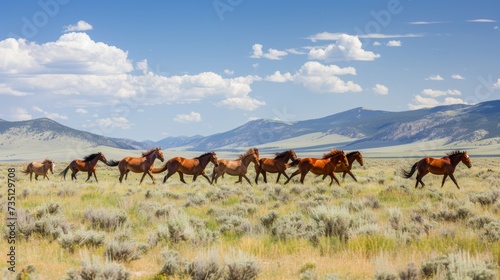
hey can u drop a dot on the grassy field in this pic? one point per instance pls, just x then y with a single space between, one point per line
378 228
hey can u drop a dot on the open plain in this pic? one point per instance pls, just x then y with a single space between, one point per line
380 227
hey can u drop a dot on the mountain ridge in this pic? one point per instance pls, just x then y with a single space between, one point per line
358 127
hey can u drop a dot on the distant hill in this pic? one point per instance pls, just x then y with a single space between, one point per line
18 133
359 128
366 128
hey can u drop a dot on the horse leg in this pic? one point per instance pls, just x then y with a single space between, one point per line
332 175
444 178
206 177
248 180
454 181
352 175
167 176
31 175
278 179
181 176
95 176
142 178
293 175
264 175
89 175
303 176
73 174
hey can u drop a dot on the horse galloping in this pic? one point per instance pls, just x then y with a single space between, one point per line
274 165
346 169
236 167
325 165
439 166
142 164
40 168
88 164
195 166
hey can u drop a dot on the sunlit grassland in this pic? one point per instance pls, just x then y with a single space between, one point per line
358 230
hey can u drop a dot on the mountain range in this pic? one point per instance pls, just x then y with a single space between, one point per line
357 128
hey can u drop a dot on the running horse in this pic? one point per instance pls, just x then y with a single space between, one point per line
274 165
88 164
346 169
142 164
195 166
439 166
40 168
236 167
325 165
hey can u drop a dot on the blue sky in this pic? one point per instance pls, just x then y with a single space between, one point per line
152 69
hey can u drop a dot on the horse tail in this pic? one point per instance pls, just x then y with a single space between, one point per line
27 170
407 174
112 163
161 169
293 163
63 173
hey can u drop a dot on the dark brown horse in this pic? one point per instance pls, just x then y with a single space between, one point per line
236 167
325 165
142 164
40 168
439 166
346 169
88 164
195 166
274 165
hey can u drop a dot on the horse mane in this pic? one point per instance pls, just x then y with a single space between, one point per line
147 153
332 153
250 151
204 155
352 153
90 157
280 155
454 153
47 161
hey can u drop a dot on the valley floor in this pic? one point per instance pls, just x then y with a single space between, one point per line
379 227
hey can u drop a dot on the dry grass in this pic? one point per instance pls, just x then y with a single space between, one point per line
392 224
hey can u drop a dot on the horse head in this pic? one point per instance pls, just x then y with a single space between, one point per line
466 160
159 154
101 157
359 158
213 159
255 158
293 155
51 165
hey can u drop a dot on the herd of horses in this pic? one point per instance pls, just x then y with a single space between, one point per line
335 161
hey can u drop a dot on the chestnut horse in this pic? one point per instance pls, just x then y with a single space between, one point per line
346 169
236 167
40 168
142 164
439 166
88 164
274 165
195 166
325 165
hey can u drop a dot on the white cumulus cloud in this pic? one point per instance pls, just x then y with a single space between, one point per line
279 78
243 103
346 48
50 115
324 78
271 54
435 78
19 114
394 43
380 89
79 26
436 93
188 118
497 84
457 77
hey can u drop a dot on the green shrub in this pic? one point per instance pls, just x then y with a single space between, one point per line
81 238
106 219
241 266
334 221
94 269
124 251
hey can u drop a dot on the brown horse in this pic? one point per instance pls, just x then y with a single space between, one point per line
40 168
274 165
142 164
195 166
346 169
88 164
439 166
236 167
325 165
